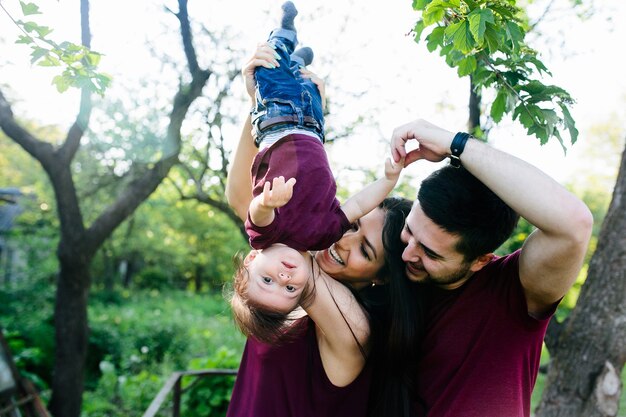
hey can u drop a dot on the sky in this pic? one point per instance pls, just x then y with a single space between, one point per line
362 47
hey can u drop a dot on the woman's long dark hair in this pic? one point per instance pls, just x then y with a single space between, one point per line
396 322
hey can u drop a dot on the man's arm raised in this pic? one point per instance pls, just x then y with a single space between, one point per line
553 254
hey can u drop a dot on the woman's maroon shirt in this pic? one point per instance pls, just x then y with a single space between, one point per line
289 380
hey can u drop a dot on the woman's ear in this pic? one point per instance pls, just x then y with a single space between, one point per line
250 257
377 281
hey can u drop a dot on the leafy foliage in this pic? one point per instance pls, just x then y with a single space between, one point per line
136 341
485 39
79 63
210 395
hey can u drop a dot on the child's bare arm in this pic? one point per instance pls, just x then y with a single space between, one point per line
275 195
372 195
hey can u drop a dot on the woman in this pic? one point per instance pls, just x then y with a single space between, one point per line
336 351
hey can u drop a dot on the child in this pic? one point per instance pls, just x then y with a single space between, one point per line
276 276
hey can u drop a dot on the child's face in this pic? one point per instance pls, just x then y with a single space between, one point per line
277 276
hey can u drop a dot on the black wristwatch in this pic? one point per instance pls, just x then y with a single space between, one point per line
456 148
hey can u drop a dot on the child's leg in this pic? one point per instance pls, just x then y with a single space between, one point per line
287 30
283 96
289 14
303 56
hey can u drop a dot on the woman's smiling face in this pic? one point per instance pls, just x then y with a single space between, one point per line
358 256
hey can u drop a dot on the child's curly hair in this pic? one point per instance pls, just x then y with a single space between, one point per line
254 320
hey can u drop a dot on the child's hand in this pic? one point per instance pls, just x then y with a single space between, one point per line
393 169
278 193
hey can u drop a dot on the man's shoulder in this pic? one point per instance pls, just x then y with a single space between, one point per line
503 263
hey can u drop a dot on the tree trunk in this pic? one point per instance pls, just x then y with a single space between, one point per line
474 108
78 244
71 331
584 375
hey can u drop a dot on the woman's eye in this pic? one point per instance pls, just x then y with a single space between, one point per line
290 288
354 227
267 280
364 252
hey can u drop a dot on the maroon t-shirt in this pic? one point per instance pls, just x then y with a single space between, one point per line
289 380
312 219
481 350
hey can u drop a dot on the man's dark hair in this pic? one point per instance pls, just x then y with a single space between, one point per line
460 204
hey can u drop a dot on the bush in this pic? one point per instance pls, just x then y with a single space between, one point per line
153 278
142 339
210 395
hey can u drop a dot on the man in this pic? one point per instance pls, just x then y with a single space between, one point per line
486 316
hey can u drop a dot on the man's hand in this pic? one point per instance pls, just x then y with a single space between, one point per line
278 193
433 142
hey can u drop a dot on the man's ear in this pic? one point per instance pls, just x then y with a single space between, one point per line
481 261
250 257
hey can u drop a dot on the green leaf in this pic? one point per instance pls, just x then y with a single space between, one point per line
569 122
42 31
557 135
24 39
499 105
29 8
93 58
524 115
435 38
433 13
481 76
506 11
62 83
466 66
37 53
418 29
493 38
515 34
49 61
461 36
539 131
420 4
550 117
539 65
478 20
29 26
446 50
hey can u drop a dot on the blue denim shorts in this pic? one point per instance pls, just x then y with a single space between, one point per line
283 92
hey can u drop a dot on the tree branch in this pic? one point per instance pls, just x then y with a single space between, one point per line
76 132
185 30
221 206
42 151
140 189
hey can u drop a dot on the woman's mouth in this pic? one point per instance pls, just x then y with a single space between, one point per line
335 256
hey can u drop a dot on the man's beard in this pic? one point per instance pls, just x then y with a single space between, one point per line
451 278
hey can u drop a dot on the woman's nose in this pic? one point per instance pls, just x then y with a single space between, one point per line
347 239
